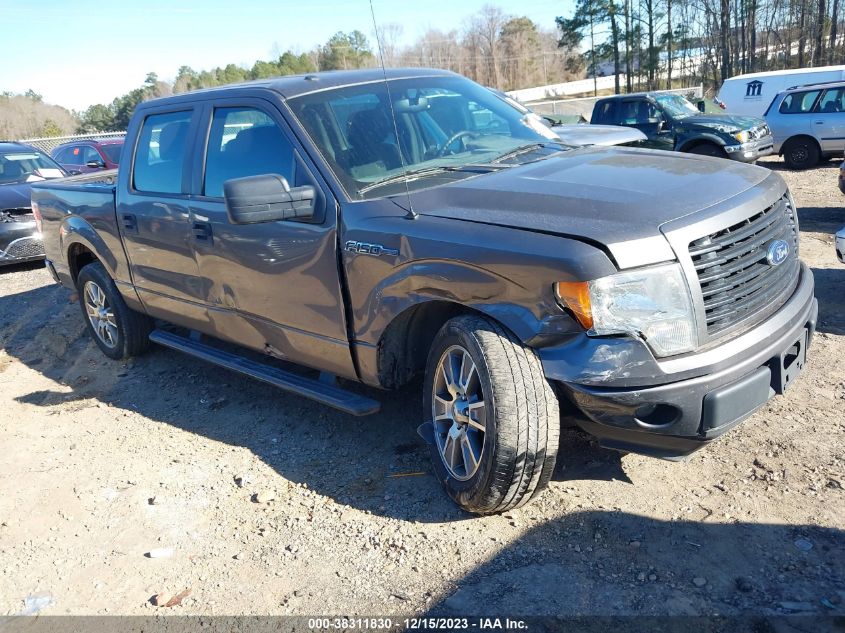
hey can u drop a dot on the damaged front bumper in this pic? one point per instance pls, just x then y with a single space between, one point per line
752 150
671 407
20 242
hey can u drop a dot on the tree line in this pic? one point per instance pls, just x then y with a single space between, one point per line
491 47
677 43
644 43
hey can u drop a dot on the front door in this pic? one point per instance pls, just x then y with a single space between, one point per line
271 286
153 215
643 115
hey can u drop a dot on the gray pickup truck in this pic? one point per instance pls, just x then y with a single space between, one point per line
372 227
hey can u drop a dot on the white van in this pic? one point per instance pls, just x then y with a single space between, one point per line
751 94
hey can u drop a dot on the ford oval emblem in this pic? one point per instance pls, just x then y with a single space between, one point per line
777 252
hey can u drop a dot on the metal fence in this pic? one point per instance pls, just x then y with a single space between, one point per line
584 106
48 143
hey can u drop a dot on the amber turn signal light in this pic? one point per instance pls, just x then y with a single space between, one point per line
575 295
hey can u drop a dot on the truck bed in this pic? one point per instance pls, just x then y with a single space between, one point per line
79 212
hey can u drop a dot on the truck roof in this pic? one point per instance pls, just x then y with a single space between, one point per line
295 85
628 95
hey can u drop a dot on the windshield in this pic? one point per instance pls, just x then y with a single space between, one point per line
677 106
27 166
112 151
443 123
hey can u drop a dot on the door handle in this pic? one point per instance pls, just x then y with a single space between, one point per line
202 232
130 223
819 122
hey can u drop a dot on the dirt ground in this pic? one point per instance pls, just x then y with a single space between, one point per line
104 462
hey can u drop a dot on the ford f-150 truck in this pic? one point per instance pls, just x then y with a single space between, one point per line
373 227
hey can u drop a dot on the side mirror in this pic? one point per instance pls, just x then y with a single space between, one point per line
661 125
267 198
95 164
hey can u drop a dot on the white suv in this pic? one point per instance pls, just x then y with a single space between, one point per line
808 123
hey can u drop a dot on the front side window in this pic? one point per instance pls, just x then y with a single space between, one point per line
640 112
370 134
799 102
833 101
245 142
160 154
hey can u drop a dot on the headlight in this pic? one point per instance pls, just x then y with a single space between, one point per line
650 302
743 136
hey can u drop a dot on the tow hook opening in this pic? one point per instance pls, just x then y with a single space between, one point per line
657 415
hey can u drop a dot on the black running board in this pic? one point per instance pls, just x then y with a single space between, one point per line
321 392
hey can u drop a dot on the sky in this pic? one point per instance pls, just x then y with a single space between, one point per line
79 53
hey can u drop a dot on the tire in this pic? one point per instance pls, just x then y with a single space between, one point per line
708 149
801 153
521 421
119 331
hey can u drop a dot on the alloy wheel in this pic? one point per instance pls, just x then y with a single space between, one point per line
459 412
100 314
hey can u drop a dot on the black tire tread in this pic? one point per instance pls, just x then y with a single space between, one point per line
527 414
134 327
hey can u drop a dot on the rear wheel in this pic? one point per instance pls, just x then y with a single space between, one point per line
801 153
708 149
495 416
117 330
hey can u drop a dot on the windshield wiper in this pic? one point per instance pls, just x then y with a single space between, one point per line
413 174
522 149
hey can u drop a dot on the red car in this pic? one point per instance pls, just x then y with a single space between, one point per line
86 156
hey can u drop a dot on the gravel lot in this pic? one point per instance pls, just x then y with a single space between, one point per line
259 502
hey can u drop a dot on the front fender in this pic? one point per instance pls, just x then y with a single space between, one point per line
506 273
694 138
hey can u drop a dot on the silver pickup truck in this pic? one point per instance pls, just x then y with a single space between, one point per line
375 228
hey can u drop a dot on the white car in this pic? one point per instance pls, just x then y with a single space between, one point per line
580 133
840 245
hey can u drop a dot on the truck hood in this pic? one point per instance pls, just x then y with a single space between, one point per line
597 134
614 197
724 122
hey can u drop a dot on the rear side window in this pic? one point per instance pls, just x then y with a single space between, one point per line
70 155
160 155
245 142
799 102
604 113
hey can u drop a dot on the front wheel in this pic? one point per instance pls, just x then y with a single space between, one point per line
118 331
495 417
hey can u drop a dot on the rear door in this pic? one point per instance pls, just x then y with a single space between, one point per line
153 216
271 286
796 116
829 120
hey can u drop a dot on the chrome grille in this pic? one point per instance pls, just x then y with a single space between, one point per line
735 278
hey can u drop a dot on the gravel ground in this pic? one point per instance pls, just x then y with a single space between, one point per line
166 477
